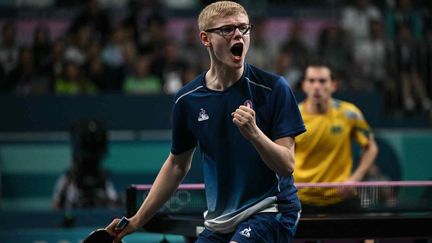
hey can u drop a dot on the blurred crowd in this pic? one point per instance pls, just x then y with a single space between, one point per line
385 48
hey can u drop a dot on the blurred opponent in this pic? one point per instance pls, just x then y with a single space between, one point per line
324 152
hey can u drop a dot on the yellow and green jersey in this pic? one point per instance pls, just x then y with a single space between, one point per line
324 153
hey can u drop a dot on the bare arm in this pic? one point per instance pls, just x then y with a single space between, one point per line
169 178
278 155
369 154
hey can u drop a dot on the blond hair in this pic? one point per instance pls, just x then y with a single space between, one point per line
218 9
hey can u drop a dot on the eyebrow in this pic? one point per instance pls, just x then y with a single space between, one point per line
319 79
229 25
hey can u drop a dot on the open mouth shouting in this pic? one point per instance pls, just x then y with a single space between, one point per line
237 51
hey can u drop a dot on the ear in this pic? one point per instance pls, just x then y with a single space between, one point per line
205 40
302 85
335 85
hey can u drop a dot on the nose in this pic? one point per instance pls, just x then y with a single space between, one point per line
237 29
316 86
238 33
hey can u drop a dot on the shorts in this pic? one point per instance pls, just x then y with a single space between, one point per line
259 228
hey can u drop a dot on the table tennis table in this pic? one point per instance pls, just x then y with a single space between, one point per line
403 219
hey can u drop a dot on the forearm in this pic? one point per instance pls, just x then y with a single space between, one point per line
366 161
277 155
169 178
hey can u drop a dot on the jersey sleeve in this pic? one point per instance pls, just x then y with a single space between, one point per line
182 137
361 130
287 119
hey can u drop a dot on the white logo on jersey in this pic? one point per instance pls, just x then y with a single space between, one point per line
203 115
246 232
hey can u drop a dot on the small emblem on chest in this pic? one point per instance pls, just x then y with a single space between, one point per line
203 115
248 104
336 129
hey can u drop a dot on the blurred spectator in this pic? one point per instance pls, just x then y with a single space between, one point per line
102 3
355 19
413 88
73 81
93 16
140 13
296 45
180 4
375 66
192 50
294 55
105 78
140 80
65 3
334 46
373 57
25 78
262 52
119 54
53 69
285 67
86 184
404 13
120 50
77 46
32 4
155 38
41 46
189 73
427 60
114 4
3 84
9 47
170 67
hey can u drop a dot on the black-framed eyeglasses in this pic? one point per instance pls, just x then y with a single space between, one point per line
227 30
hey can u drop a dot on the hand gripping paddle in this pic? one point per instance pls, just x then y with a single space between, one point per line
102 235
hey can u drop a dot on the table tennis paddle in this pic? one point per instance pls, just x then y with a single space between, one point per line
102 235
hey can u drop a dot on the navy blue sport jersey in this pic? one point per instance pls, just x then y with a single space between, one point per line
237 181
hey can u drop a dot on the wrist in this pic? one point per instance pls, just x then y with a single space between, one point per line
256 135
136 221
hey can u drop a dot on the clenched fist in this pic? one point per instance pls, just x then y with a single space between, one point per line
244 119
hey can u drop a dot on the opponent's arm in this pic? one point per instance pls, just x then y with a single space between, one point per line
167 181
277 155
367 158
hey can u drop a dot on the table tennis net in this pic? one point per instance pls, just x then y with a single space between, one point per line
373 196
378 196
